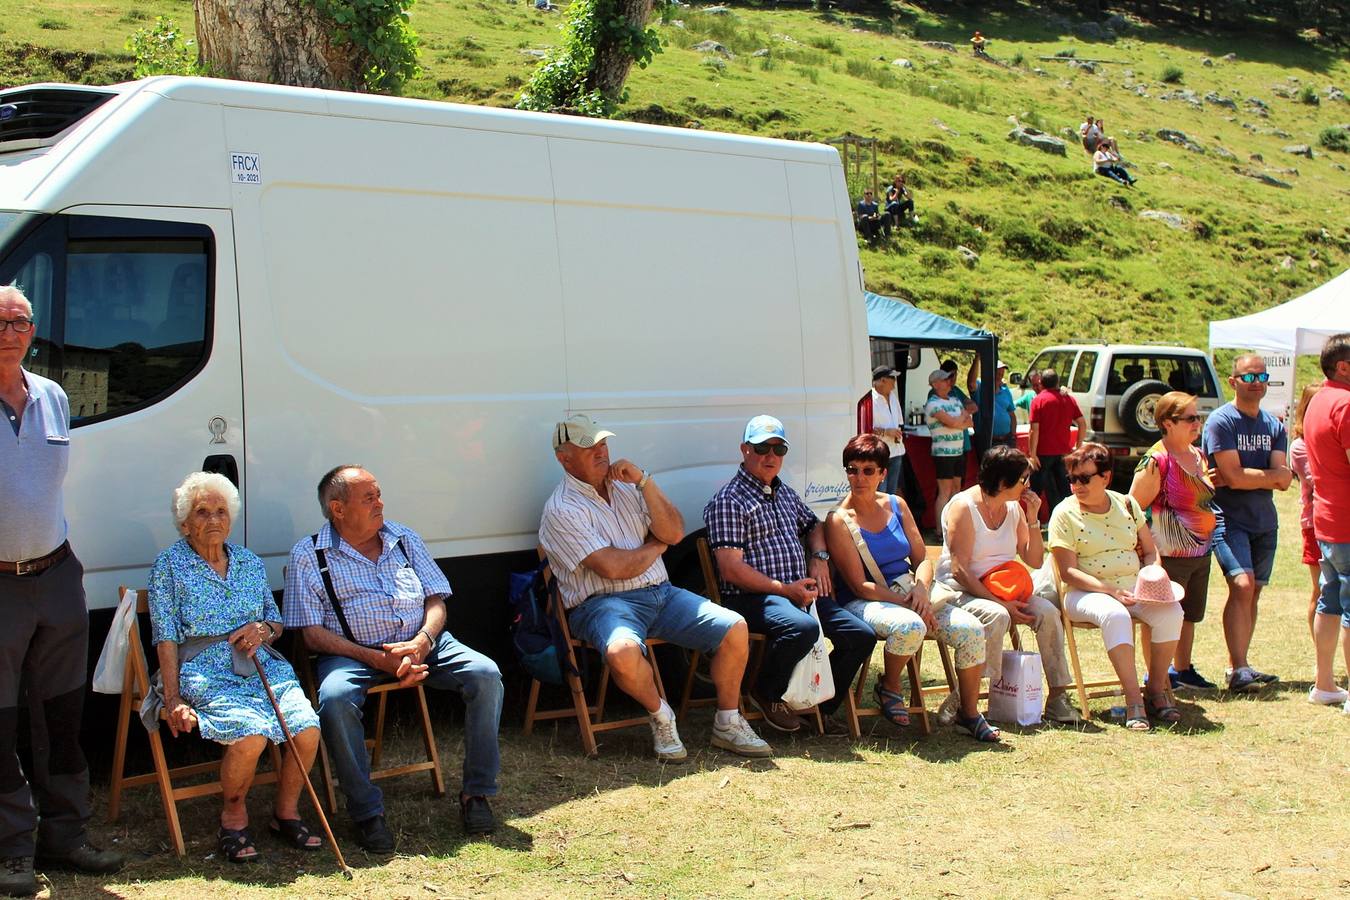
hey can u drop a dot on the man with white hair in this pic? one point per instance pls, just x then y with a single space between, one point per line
45 639
371 602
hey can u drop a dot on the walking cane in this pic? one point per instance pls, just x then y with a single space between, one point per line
313 798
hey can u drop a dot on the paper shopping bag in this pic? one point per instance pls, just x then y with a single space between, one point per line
1017 696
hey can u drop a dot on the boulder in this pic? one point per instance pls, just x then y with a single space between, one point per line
1092 31
713 47
968 256
940 45
537 54
1180 138
1219 100
1207 63
1030 137
1282 134
1171 220
902 63
1089 67
1162 166
1333 93
1230 57
1257 157
1223 152
717 10
1299 150
1185 95
1117 23
1263 178
1040 72
762 51
1258 106
1287 263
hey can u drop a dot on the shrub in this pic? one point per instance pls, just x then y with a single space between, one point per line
810 73
1022 242
1065 229
53 24
1070 53
1018 59
935 259
880 75
1308 96
828 44
1335 138
162 50
1172 75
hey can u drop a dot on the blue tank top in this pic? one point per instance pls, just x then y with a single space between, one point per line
890 548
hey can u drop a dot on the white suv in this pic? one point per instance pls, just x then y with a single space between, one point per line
1117 386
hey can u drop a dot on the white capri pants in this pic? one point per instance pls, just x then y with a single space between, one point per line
1113 617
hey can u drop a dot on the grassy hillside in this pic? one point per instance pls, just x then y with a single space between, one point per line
1063 253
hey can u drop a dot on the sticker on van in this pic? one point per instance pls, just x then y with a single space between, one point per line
245 168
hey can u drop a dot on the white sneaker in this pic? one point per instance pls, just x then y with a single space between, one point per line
665 739
739 738
1346 708
949 709
1059 709
1327 698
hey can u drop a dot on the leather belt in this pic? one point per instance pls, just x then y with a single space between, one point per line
36 566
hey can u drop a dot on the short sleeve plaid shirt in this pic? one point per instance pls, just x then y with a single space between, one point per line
767 522
384 601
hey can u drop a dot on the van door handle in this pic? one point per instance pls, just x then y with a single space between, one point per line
222 464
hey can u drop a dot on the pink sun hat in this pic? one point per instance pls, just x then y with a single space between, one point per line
1153 586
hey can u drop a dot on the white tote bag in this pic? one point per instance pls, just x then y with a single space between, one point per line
112 662
1017 696
812 682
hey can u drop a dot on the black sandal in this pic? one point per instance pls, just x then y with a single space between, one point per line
232 843
295 833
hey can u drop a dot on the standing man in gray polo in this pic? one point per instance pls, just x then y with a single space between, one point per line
45 639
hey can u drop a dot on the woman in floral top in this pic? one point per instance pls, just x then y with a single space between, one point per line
1174 485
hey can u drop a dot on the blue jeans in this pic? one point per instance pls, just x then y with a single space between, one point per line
1335 597
343 683
660 611
895 470
791 632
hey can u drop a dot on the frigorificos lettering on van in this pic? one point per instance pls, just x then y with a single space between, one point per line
245 168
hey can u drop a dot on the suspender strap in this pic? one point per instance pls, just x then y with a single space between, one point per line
328 586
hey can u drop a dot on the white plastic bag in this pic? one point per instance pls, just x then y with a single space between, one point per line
112 662
1017 696
812 682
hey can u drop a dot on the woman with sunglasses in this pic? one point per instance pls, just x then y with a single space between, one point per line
986 532
1173 483
1099 540
884 578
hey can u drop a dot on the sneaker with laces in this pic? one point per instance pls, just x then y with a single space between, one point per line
665 739
1243 681
1059 709
740 738
1190 680
17 878
950 708
777 714
1327 698
1264 677
83 858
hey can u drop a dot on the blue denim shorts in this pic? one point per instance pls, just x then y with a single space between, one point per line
1239 551
1335 597
661 611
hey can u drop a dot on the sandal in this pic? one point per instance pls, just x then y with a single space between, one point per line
893 706
1136 718
980 729
1164 711
234 844
295 833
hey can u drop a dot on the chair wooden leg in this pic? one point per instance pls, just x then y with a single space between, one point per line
601 693
378 750
916 704
429 742
583 715
326 774
694 658
1077 673
531 707
851 713
119 764
165 785
948 668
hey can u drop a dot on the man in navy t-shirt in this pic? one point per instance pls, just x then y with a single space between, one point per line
1247 446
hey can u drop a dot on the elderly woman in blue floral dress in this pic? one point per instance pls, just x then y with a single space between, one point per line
211 610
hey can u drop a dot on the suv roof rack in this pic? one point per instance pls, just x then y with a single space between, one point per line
33 116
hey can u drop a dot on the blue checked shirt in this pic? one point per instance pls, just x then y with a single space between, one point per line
767 522
384 601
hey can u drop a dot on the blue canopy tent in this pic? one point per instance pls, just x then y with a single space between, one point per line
898 320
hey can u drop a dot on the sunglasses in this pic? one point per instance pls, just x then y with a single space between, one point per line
865 471
1188 419
1249 377
766 449
1082 479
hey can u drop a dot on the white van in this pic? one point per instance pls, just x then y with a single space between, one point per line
268 281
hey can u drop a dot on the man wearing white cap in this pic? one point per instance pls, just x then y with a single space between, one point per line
887 424
757 527
948 420
604 530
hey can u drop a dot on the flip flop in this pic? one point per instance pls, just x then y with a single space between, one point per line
893 706
233 844
295 833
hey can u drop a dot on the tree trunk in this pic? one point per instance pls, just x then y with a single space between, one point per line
613 61
276 41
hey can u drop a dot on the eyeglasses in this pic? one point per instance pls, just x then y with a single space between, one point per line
20 326
766 449
1082 479
1188 419
865 471
1249 377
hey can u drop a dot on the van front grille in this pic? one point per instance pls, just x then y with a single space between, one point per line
38 114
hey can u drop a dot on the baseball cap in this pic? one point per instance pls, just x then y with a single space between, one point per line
579 430
940 375
1001 365
883 372
762 428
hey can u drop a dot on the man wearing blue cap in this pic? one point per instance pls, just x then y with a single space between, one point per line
761 532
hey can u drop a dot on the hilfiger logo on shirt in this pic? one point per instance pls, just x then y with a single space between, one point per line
1258 442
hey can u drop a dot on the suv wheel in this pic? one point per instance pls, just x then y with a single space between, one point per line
1136 409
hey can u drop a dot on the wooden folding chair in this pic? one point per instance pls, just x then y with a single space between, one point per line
304 666
135 687
855 710
1098 687
590 717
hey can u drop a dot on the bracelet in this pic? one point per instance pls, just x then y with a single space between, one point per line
646 477
271 632
430 640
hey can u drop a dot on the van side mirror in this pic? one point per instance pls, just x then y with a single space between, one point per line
1016 378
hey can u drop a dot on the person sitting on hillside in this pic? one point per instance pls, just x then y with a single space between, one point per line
1106 163
1104 139
977 45
899 201
1090 133
868 215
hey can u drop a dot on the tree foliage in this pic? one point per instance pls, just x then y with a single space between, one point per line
382 32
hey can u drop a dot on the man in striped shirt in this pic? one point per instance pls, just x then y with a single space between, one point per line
604 530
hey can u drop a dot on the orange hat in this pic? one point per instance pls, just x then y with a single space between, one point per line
1009 582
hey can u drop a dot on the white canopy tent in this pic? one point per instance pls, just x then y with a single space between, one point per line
1283 332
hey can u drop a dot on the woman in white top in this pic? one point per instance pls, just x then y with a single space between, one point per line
985 528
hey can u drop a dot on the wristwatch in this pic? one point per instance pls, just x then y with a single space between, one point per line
821 555
646 477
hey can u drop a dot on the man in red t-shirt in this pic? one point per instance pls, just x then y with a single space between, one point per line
1051 414
1326 432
